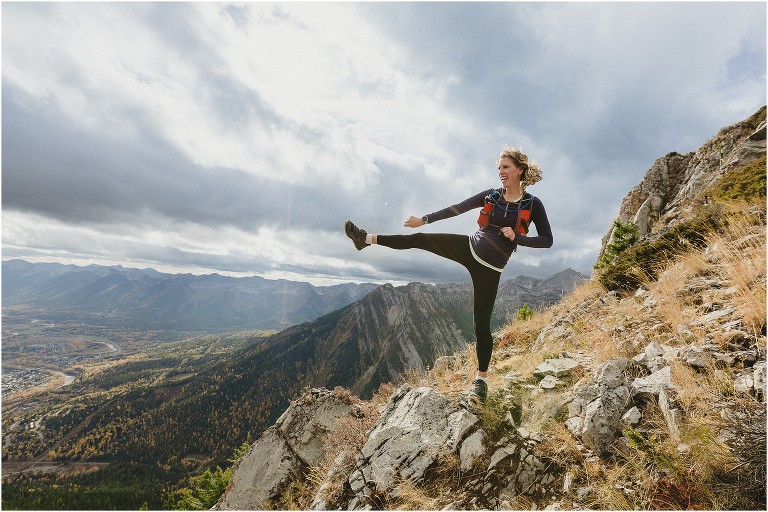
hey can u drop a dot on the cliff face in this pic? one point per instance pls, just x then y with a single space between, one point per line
675 182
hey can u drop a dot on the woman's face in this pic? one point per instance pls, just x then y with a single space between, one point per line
508 172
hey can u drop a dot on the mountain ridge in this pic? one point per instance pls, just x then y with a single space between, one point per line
146 298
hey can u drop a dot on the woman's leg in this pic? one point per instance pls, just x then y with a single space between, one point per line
485 283
451 246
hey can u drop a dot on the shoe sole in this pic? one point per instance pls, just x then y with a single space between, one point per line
349 229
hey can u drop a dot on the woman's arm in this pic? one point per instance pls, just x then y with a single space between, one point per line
470 203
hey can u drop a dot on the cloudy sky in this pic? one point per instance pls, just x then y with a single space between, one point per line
237 138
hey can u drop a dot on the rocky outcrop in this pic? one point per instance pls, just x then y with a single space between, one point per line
415 430
418 431
595 415
674 182
285 451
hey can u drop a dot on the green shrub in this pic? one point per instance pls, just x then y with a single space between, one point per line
524 313
645 260
494 413
208 487
747 183
623 237
239 452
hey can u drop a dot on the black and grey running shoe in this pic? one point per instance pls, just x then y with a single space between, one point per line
479 390
356 234
476 396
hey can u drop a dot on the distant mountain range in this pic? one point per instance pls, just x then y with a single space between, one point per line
142 299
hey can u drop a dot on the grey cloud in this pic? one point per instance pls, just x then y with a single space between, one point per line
56 169
238 15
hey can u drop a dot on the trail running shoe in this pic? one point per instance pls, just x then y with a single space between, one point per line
479 391
475 397
356 234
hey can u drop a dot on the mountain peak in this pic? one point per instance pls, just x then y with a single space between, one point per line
673 184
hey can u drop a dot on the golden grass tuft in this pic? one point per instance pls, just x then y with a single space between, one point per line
440 487
695 392
741 261
343 444
559 445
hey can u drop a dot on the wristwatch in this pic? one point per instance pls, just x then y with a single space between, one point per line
425 219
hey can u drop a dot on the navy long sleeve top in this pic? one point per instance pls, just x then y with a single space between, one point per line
489 246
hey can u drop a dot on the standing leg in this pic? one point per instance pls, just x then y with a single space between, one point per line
485 283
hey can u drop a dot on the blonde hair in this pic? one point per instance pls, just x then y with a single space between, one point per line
531 170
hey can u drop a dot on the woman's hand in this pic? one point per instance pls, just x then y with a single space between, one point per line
508 232
413 222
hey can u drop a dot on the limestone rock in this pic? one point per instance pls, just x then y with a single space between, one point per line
416 428
471 449
655 356
714 316
550 382
696 356
512 379
744 383
650 386
306 422
267 467
758 378
670 413
284 451
555 367
632 416
596 411
514 469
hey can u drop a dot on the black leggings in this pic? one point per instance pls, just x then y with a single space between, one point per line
485 281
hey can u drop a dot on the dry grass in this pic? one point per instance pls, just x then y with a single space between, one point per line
559 445
440 487
450 376
326 480
518 502
607 346
741 261
675 306
694 392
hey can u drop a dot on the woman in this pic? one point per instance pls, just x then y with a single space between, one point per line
504 221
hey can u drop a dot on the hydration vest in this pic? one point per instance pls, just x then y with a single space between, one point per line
523 211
